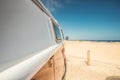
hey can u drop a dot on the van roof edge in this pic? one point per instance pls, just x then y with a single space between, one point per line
44 9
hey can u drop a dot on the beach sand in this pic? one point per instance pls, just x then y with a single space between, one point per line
104 60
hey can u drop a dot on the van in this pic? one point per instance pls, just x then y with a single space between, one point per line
31 42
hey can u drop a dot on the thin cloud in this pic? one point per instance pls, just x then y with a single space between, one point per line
52 5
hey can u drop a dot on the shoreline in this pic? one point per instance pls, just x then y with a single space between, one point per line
109 41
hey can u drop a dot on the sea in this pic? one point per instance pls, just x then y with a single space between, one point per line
102 40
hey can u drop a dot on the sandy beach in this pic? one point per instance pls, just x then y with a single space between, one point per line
104 60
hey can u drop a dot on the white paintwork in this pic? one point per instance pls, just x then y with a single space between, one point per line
24 29
26 37
25 69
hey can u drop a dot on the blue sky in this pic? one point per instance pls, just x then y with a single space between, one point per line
87 19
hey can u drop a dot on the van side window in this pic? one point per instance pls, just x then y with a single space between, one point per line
62 34
57 33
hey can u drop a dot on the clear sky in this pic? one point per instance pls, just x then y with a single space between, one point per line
87 19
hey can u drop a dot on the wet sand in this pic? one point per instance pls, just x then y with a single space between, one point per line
104 60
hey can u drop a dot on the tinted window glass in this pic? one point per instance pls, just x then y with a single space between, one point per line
62 34
57 33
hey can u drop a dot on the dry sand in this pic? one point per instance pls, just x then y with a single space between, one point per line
104 60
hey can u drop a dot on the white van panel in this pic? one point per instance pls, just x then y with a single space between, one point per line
24 30
26 69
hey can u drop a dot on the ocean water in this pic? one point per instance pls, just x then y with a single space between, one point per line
103 40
